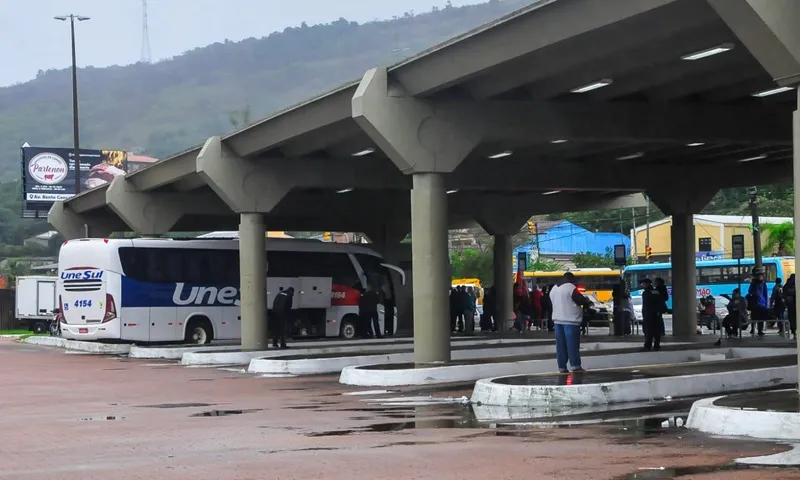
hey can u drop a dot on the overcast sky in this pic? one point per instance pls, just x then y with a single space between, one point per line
32 40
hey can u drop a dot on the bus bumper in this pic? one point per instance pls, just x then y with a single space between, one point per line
90 332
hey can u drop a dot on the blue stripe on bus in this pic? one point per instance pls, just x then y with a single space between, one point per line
136 293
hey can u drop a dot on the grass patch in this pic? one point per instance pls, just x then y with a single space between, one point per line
18 331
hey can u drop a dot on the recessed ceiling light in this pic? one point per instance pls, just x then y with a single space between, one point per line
559 141
695 144
753 159
452 191
507 153
593 86
708 52
344 190
552 192
631 156
366 151
772 91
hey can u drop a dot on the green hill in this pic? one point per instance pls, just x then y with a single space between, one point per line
163 108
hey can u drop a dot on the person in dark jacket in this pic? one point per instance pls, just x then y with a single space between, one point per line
652 320
453 309
661 288
777 303
281 313
489 317
790 296
758 301
368 312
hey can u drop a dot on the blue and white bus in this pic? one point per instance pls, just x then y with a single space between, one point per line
714 277
162 290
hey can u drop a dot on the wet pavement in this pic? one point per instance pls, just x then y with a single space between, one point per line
775 401
70 417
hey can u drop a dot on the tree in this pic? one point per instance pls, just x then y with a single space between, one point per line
472 263
780 238
545 265
593 260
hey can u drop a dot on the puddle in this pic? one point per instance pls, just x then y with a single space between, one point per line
176 405
102 419
305 407
573 378
786 401
372 392
464 418
224 413
682 472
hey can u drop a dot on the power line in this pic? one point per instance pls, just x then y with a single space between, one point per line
146 53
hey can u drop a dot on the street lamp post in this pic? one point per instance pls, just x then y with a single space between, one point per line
75 129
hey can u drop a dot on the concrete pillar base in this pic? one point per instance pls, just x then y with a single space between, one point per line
430 266
684 277
253 281
503 280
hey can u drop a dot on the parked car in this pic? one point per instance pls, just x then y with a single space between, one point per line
599 314
636 300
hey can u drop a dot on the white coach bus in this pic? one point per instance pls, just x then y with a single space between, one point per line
162 290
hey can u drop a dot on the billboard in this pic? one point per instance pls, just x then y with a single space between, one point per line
48 174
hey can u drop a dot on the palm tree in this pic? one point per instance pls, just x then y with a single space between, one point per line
780 238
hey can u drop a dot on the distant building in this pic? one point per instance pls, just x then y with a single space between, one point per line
712 236
42 240
561 240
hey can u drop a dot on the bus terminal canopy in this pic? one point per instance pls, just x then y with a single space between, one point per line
564 105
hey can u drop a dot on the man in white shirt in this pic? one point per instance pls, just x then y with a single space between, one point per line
568 305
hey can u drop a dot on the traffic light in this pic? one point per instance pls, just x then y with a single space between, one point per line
326 236
531 226
648 252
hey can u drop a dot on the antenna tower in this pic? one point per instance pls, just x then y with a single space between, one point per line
146 55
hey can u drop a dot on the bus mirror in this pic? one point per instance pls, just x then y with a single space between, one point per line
398 270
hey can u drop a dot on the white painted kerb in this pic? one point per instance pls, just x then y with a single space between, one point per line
310 366
554 396
719 420
77 345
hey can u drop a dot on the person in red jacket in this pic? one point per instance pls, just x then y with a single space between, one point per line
536 301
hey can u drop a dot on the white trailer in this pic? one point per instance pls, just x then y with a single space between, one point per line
35 301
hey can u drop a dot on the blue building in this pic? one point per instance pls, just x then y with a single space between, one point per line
560 241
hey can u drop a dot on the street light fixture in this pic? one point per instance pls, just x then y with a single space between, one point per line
75 129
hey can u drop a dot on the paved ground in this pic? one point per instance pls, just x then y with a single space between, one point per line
87 417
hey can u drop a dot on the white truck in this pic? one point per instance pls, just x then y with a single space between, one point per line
35 301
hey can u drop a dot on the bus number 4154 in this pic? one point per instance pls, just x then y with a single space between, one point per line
82 303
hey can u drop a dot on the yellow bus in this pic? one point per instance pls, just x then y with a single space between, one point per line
593 281
475 283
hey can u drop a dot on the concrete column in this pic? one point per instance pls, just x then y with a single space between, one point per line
684 277
429 261
253 280
796 169
503 280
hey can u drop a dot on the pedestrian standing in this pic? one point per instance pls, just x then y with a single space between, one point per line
568 304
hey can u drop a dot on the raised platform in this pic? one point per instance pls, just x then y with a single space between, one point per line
619 355
235 356
555 392
304 364
78 346
773 415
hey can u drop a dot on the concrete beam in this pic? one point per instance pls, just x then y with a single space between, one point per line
690 199
156 213
768 29
414 134
293 122
545 23
526 174
88 200
165 172
72 225
244 185
608 50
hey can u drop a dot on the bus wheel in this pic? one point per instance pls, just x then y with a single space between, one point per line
199 331
348 330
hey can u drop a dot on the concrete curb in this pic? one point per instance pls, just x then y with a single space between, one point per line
199 357
172 353
462 373
311 366
718 420
76 345
556 396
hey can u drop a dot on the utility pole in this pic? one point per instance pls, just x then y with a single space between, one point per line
536 232
633 218
756 229
647 228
